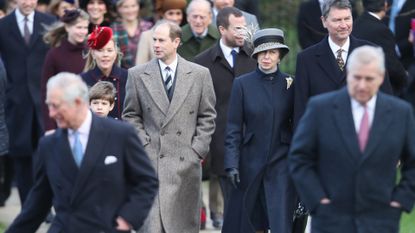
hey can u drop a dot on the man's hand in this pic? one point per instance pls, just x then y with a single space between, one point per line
122 225
233 176
395 204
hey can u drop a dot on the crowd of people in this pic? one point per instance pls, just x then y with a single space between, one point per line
109 120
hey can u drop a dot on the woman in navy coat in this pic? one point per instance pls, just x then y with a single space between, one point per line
258 135
102 64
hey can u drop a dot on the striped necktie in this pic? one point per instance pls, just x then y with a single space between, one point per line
168 81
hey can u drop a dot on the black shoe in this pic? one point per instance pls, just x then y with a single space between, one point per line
217 220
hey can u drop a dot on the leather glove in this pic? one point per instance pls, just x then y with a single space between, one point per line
233 176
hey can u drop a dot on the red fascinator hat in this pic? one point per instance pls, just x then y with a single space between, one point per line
99 37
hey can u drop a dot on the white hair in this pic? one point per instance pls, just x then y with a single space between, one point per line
198 3
71 85
365 55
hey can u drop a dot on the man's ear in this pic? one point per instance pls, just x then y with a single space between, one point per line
323 21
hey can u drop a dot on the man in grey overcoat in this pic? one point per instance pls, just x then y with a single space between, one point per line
171 103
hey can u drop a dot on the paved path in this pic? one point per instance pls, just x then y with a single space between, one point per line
12 208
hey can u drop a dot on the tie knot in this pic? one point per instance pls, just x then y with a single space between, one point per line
339 52
26 19
233 52
167 69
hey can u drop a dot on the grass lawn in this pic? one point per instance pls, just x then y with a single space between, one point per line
408 223
2 228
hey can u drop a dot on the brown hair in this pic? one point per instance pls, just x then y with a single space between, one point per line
102 90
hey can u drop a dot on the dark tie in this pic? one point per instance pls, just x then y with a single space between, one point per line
364 130
77 149
168 81
26 32
339 59
234 56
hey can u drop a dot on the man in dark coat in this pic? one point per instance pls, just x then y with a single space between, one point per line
223 69
23 52
346 149
401 26
370 27
320 68
309 26
93 170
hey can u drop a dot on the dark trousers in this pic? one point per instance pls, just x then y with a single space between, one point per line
226 187
23 175
6 177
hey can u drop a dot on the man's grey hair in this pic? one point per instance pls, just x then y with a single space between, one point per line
338 4
198 3
71 85
366 55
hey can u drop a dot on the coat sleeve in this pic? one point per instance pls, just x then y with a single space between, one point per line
132 111
206 115
39 201
303 159
233 137
141 179
404 192
301 91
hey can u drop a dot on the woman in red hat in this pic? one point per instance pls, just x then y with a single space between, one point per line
67 39
102 64
128 29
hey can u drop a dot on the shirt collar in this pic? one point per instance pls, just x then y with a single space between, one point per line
334 47
370 104
20 16
374 15
205 32
85 126
226 49
172 65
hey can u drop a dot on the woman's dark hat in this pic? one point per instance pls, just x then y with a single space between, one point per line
269 38
99 37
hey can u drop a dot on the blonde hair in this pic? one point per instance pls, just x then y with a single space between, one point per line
90 62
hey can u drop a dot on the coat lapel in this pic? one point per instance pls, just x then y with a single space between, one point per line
344 121
14 28
66 160
381 121
155 87
184 81
327 62
96 142
37 26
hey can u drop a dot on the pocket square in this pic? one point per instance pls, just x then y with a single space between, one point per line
110 159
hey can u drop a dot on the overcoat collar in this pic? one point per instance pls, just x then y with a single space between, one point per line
344 120
37 26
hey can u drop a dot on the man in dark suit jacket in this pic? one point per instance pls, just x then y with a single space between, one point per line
346 149
401 28
370 27
23 52
223 69
309 26
105 184
318 68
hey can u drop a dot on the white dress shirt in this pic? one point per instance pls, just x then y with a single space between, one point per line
334 48
173 67
227 52
20 21
83 131
358 110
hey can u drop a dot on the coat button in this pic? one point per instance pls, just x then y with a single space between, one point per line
161 156
162 133
181 158
191 112
179 133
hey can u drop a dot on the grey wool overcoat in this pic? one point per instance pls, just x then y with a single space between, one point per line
176 136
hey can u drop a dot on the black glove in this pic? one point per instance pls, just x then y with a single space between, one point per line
233 176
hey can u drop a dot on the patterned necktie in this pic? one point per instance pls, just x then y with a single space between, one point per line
26 32
77 149
339 59
168 81
364 130
234 55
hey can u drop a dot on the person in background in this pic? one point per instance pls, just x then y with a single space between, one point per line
346 149
198 35
258 136
67 39
6 171
172 10
102 98
23 52
251 20
229 58
93 170
58 7
128 29
102 64
99 13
